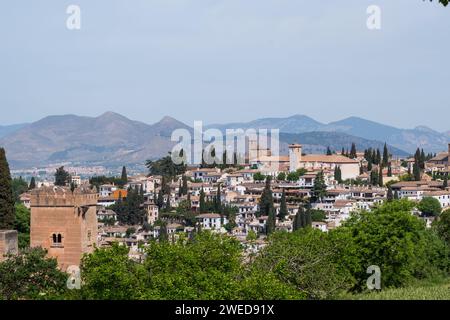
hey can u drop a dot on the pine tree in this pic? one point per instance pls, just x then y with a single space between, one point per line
7 211
124 176
283 208
62 177
32 183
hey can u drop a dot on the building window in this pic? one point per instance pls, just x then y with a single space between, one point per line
57 240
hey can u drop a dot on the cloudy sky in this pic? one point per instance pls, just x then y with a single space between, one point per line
226 60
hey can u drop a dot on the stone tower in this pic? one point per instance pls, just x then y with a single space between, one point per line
64 223
8 243
295 156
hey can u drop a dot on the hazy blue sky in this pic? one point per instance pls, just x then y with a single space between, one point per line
226 60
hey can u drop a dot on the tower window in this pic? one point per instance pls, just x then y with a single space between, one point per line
57 240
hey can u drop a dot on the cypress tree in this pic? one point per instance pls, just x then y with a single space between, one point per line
160 200
202 201
299 218
337 174
124 176
319 188
416 171
378 156
218 200
271 221
390 195
446 181
308 219
385 155
329 153
7 211
396 196
380 177
389 173
185 185
266 201
180 190
283 208
353 151
32 184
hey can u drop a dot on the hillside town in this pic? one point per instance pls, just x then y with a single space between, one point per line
246 202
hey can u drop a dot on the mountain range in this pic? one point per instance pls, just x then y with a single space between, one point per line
405 139
112 139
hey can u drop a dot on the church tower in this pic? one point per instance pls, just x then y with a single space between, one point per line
295 156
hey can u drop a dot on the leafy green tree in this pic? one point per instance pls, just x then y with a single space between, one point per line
62 177
281 176
206 268
108 274
317 215
305 259
252 236
31 276
293 176
19 186
22 225
430 206
442 226
6 194
393 239
258 176
283 208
